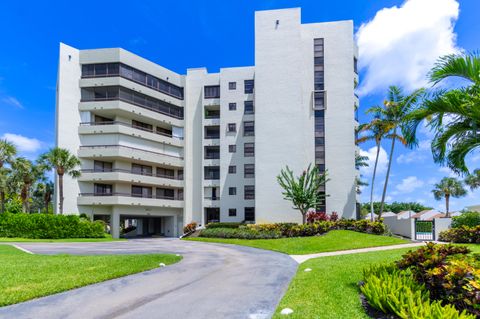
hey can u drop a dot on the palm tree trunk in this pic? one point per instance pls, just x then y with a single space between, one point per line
60 191
373 180
447 205
388 175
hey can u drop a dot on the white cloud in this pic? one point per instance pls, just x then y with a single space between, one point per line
371 154
10 100
400 44
24 144
411 157
448 171
409 184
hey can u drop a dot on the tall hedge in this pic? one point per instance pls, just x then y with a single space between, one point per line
47 226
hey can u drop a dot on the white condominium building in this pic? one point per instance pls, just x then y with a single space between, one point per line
165 149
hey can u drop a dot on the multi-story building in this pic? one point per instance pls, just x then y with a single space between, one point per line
166 149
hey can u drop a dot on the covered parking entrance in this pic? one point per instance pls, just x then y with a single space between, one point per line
146 226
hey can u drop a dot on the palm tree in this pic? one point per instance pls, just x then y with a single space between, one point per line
360 161
302 191
453 114
395 110
377 130
7 152
63 162
448 187
25 174
4 182
45 190
473 180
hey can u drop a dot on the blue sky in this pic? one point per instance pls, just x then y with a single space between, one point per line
396 48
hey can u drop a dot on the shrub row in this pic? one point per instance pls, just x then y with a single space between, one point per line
47 226
290 229
395 291
462 234
223 225
469 219
445 274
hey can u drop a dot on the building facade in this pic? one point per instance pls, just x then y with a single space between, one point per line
166 149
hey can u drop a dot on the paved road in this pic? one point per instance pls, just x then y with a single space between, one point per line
212 281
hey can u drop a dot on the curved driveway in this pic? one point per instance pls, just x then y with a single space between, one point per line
212 281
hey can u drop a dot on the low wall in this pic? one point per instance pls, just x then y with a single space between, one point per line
402 227
441 224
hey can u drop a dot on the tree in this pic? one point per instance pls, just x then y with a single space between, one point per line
360 161
43 194
448 187
7 152
473 180
63 162
394 113
376 130
25 174
302 191
4 176
454 115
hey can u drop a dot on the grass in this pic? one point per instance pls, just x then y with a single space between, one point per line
332 241
330 290
61 240
25 276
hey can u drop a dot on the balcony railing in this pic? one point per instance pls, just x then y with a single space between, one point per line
130 195
128 148
212 137
129 172
212 155
129 125
212 197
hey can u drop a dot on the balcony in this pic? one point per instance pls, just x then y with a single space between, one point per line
128 199
112 152
129 176
130 130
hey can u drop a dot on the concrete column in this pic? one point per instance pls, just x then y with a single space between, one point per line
115 224
175 226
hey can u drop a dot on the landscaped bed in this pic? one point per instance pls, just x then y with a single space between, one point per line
331 241
65 240
25 276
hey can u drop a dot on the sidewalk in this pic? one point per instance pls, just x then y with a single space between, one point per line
302 258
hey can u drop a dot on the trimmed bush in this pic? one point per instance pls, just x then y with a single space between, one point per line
461 234
48 226
240 233
223 225
395 291
469 219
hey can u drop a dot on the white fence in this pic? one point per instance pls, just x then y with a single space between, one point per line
406 227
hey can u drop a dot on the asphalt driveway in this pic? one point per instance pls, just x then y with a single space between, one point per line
212 281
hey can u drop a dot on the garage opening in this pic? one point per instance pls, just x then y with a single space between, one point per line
146 226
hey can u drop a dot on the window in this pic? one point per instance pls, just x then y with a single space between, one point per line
249 128
249 86
232 127
212 132
165 193
141 191
232 212
248 107
249 149
249 214
212 172
141 169
164 131
232 85
212 91
249 170
180 174
232 169
167 173
319 141
102 189
232 148
142 126
99 166
232 191
232 106
249 192
212 152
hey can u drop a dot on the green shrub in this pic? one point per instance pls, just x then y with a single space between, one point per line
395 291
47 226
469 219
461 234
223 225
241 233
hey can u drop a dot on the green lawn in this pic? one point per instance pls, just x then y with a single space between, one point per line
332 241
24 276
330 290
66 240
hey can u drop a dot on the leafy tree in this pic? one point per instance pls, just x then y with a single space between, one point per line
63 162
394 113
302 191
25 174
473 180
448 187
376 130
42 196
7 152
454 115
395 207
